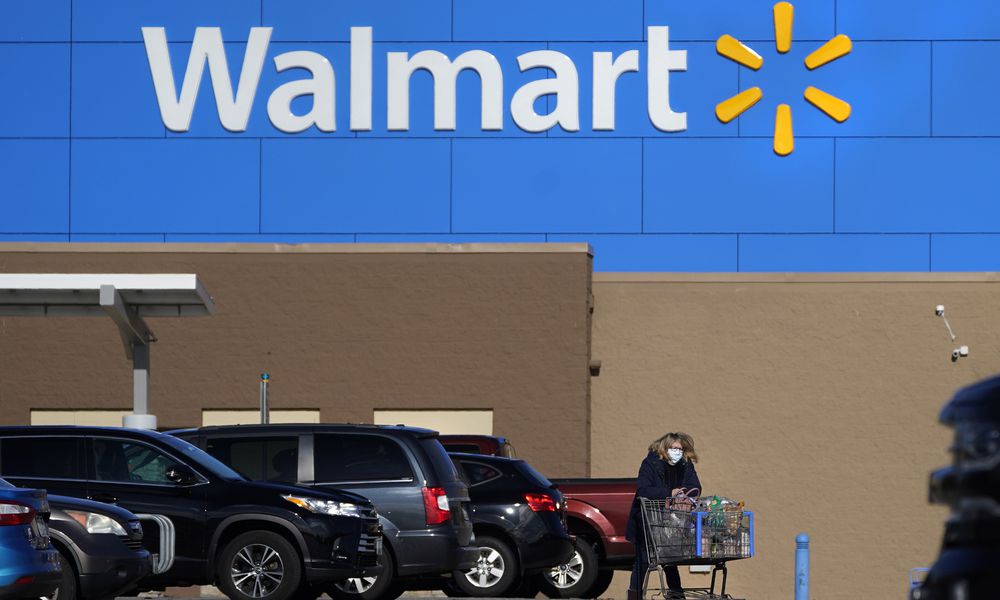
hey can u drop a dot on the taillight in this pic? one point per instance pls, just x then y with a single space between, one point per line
436 506
16 514
540 502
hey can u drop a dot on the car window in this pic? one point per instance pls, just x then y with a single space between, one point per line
201 458
45 457
351 457
463 448
121 460
268 459
478 473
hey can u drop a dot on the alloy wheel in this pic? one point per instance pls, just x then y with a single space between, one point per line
257 570
488 570
567 574
356 585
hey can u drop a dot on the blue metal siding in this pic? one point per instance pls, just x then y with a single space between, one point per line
907 183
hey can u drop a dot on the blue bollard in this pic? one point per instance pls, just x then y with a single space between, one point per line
802 567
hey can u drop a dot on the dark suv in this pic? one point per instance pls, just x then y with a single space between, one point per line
421 498
254 540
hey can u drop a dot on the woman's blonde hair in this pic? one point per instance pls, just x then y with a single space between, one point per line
661 445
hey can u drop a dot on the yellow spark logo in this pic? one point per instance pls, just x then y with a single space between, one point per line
733 49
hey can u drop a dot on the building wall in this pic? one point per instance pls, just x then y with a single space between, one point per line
812 398
346 330
905 184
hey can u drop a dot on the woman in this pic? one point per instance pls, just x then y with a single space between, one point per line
666 472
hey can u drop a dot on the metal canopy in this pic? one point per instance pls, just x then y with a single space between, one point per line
126 298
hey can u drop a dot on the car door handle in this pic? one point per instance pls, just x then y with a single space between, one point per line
105 498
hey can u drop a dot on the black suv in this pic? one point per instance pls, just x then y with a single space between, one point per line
254 540
421 498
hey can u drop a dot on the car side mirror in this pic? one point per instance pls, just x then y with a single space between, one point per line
181 475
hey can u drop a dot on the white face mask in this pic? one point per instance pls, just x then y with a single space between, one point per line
674 455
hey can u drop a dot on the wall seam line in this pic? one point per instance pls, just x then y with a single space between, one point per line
260 185
69 149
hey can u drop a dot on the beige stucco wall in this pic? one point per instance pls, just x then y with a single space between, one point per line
814 401
345 329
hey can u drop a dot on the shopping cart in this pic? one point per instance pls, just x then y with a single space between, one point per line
679 533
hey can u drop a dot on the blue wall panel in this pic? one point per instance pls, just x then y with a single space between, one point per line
391 20
551 20
34 21
919 19
965 252
454 238
340 186
706 253
966 88
760 192
90 238
928 185
35 176
259 238
34 101
161 186
113 92
743 19
553 185
123 20
888 85
849 253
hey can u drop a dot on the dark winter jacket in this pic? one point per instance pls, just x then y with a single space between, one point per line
657 479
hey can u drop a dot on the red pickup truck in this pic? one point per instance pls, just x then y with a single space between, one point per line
596 513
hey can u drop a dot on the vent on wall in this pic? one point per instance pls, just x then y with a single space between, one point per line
92 418
473 422
211 416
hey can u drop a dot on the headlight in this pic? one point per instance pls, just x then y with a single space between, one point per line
97 523
326 507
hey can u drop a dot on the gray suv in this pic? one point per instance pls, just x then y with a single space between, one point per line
422 500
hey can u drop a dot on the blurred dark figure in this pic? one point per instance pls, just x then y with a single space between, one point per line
969 565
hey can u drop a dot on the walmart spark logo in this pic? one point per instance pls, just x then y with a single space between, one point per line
833 107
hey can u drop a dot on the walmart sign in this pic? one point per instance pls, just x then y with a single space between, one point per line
234 106
671 135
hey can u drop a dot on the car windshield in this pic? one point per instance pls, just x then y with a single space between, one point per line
203 459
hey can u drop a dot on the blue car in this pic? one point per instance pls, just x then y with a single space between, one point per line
29 566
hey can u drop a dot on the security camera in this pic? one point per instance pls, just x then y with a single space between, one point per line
939 311
959 352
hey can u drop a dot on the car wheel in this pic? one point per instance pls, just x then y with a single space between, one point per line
573 578
495 573
381 587
259 564
601 584
67 588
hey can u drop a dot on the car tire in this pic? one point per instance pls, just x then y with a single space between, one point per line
496 573
573 578
383 587
601 584
67 589
259 565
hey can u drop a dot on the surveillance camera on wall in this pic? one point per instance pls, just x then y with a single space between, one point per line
939 311
959 352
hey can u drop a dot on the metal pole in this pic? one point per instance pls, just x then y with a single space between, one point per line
264 408
802 567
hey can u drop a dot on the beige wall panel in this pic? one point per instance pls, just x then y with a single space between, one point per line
343 328
252 417
93 418
479 422
817 403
